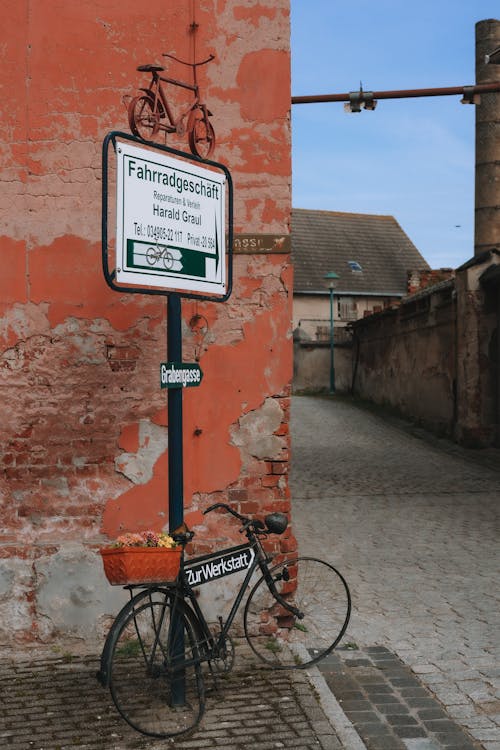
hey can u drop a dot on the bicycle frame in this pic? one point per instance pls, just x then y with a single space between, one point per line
186 592
182 592
155 90
175 638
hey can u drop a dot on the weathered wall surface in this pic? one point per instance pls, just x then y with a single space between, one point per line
478 372
435 358
406 358
83 430
311 366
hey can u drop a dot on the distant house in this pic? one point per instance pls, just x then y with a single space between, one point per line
372 256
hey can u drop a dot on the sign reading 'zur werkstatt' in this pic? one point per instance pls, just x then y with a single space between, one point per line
170 222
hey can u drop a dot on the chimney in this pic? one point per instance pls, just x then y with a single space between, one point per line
487 202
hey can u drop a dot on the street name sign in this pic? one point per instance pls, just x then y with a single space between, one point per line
180 374
170 215
217 565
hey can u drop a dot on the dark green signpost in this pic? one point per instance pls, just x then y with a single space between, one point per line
173 212
171 215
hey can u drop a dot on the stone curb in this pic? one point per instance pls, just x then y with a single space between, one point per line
343 728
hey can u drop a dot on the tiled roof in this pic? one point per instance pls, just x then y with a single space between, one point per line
324 241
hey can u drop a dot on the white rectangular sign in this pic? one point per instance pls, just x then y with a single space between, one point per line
170 222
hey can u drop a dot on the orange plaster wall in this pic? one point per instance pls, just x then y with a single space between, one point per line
84 434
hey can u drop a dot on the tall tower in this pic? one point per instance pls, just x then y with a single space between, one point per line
487 200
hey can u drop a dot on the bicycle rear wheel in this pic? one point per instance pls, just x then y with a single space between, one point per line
152 255
322 596
201 135
155 673
143 119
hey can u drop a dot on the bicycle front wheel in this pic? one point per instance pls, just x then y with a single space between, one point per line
201 135
155 673
143 119
321 595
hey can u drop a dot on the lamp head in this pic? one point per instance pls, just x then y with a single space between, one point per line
493 58
331 277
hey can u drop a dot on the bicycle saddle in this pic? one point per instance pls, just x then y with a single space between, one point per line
149 68
276 522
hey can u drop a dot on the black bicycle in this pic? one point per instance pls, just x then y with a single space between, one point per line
295 614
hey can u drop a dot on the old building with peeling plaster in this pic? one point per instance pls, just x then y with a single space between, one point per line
84 435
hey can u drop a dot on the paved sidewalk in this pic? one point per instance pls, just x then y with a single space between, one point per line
56 703
414 525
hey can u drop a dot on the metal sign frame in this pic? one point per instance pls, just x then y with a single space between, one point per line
110 275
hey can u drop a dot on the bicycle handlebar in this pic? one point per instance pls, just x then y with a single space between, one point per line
226 507
247 522
192 65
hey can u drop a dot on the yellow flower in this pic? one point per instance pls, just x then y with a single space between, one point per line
164 540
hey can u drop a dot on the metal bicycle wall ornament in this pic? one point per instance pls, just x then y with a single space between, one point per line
151 112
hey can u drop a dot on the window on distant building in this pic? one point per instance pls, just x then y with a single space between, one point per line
355 266
347 308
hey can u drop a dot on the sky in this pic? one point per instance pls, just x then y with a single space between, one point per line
410 158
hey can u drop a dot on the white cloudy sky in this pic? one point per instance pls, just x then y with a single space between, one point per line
411 158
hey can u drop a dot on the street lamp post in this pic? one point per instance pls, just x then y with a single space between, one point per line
331 278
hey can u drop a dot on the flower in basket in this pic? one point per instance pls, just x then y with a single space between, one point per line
143 557
145 539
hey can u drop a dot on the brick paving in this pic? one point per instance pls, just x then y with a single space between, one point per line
56 703
387 703
413 523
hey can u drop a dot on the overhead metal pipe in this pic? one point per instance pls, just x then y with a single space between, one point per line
465 91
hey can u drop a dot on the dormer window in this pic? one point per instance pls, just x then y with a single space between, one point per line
355 266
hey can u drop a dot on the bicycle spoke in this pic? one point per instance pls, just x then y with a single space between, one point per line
285 639
149 672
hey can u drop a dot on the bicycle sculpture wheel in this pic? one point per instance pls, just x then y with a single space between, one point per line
155 677
201 134
283 640
144 117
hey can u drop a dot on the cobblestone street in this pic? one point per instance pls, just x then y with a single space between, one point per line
413 523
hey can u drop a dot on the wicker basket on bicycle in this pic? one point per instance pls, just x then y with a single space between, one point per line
141 564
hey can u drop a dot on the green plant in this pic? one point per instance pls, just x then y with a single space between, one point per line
130 648
273 646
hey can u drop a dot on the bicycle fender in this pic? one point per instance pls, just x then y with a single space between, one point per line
102 675
193 116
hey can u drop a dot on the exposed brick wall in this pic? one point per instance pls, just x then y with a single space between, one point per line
83 431
423 278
